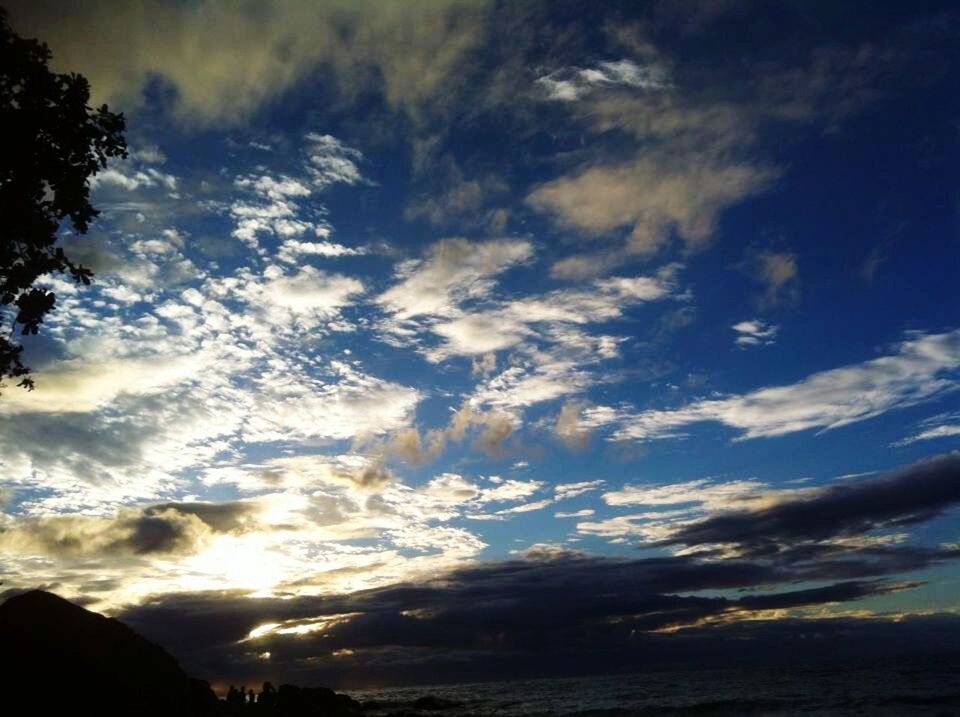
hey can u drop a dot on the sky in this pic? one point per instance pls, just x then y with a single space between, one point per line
450 340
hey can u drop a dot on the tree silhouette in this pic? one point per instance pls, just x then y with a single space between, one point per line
52 143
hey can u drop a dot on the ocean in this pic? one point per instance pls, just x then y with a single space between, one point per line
925 688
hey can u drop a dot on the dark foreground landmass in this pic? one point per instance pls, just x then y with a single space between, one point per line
61 659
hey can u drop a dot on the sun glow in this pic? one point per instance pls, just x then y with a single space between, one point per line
299 628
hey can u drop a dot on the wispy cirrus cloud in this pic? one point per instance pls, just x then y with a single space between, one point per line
943 425
920 368
570 84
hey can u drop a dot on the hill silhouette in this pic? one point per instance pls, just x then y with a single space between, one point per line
60 656
62 659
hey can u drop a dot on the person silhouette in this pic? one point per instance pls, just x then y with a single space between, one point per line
268 695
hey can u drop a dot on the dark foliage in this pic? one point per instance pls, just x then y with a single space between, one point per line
53 142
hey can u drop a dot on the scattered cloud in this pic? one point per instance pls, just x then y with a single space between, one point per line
285 425
755 333
331 161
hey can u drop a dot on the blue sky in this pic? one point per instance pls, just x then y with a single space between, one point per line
384 293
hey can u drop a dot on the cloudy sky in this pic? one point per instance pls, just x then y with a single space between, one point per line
425 336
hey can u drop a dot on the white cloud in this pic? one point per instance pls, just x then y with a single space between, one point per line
527 507
276 189
939 432
703 494
332 162
476 334
292 250
308 294
689 160
755 333
585 513
943 425
525 385
510 490
276 204
921 367
550 317
571 84
647 526
455 270
450 295
310 470
306 408
673 505
571 490
79 385
126 175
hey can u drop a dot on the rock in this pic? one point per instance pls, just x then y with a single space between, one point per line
319 701
434 703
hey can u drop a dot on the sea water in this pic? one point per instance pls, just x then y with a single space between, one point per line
924 688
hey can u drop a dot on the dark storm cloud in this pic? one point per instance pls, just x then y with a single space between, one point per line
221 517
846 562
583 609
167 529
129 533
913 495
463 605
574 608
838 592
148 534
